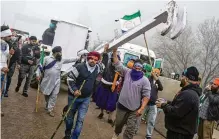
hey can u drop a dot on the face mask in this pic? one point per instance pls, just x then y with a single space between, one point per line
58 57
13 39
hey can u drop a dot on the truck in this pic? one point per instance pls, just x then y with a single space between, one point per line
72 37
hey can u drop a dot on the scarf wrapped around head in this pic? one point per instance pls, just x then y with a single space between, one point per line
93 54
137 75
216 81
6 33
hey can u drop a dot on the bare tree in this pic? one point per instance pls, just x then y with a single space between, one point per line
208 39
178 54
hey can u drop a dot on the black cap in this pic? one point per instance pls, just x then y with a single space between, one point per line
57 49
191 73
33 38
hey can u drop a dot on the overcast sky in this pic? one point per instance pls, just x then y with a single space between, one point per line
99 15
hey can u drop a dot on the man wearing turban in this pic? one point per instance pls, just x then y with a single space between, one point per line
51 70
82 76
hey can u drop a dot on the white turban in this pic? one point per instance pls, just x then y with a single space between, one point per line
6 33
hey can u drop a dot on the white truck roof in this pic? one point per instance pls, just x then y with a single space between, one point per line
74 23
138 49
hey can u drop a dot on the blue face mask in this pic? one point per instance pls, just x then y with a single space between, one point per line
136 75
52 25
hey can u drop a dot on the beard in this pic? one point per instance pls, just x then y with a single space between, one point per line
58 57
92 64
214 90
183 83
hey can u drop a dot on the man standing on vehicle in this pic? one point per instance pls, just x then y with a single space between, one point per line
49 34
29 54
83 72
182 113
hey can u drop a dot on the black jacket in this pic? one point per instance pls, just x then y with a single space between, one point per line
29 52
213 108
182 113
48 36
16 56
155 87
79 74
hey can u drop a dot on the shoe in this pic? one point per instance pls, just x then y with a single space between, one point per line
51 113
110 121
2 114
148 138
100 116
6 94
115 136
25 94
67 135
17 89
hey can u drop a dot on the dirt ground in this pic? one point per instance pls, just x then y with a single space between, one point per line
22 122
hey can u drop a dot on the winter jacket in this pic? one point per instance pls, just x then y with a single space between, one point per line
29 52
48 36
182 113
78 75
155 87
16 56
213 108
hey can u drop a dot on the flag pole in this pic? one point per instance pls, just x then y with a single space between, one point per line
149 57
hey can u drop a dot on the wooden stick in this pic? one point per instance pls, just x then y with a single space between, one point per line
149 57
70 107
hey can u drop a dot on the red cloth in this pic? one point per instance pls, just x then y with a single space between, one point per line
216 81
93 53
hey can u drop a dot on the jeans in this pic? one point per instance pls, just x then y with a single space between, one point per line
1 84
9 75
151 118
81 106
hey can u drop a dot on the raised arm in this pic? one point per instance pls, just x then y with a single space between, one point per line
66 61
118 65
